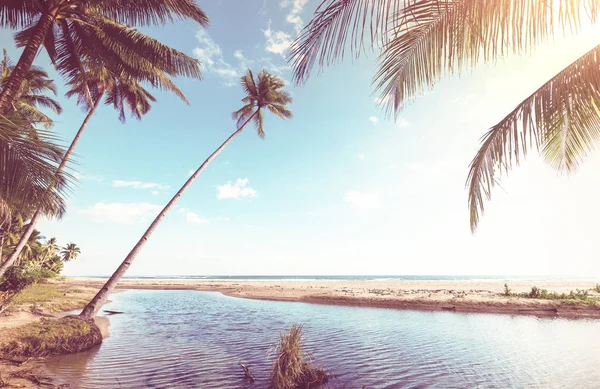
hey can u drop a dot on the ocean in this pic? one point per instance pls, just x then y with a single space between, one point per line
193 339
359 277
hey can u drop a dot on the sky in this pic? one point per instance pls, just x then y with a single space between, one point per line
340 188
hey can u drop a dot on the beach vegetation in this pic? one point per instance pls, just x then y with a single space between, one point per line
506 289
49 337
265 92
425 41
579 295
292 368
597 288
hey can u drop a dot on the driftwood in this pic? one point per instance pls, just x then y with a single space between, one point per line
247 373
113 312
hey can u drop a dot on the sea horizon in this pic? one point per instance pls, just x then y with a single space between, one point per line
407 277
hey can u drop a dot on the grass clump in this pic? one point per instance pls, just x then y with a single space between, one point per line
597 288
291 370
506 290
48 337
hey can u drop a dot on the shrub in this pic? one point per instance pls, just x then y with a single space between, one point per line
535 292
597 288
506 290
18 278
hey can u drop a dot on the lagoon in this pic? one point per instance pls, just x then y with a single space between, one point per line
193 339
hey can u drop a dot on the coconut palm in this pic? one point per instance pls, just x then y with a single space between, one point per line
124 93
33 94
422 41
70 252
75 30
266 92
28 154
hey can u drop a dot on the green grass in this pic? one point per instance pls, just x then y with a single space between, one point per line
50 337
597 288
52 297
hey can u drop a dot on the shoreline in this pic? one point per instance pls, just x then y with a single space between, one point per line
467 296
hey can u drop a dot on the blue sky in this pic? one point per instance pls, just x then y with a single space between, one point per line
339 189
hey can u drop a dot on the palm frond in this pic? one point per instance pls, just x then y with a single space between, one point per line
338 25
17 14
561 118
242 115
28 164
259 122
424 40
150 12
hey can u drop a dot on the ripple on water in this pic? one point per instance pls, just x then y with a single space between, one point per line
191 339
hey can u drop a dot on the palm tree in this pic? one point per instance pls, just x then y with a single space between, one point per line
124 93
423 41
28 155
33 94
70 252
104 30
264 93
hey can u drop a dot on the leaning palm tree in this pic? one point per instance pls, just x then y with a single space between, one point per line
266 92
70 252
74 30
422 41
124 93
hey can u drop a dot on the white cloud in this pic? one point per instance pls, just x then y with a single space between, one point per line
374 119
294 16
278 42
213 59
393 166
363 200
194 218
361 156
138 185
85 177
190 172
155 193
121 213
211 56
235 191
402 122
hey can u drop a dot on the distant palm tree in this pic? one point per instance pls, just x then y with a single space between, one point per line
73 31
70 252
124 93
423 41
264 93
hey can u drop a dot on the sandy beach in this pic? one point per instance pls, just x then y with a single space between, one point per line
459 296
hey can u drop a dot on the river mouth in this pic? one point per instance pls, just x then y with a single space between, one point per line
192 339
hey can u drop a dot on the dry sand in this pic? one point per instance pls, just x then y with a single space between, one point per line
459 296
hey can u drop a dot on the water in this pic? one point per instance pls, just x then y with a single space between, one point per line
191 339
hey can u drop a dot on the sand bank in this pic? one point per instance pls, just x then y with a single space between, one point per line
53 300
484 296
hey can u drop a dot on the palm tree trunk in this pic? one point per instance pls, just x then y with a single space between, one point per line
94 305
27 233
25 61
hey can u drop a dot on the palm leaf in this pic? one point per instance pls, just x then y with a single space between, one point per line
561 118
150 12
